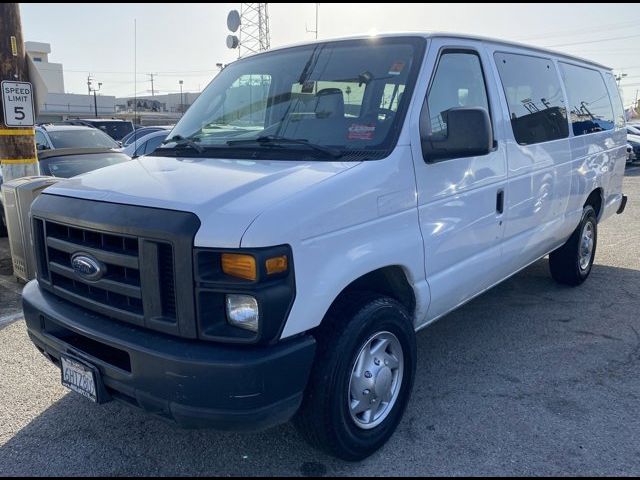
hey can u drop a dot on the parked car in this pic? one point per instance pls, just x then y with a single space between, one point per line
633 129
71 136
634 142
138 133
115 128
146 144
276 258
69 162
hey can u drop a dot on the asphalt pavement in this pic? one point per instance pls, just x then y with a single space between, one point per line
531 378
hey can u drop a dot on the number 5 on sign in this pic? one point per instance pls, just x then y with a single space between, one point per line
17 104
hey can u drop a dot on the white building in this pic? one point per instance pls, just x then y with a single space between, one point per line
155 110
58 105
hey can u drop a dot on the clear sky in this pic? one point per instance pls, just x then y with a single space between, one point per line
185 41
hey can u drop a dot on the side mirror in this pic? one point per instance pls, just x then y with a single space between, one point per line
42 146
469 134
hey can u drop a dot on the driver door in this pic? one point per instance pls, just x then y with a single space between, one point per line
461 201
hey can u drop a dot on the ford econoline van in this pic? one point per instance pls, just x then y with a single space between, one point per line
314 208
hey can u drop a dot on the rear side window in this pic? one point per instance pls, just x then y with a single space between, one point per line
534 95
616 100
458 82
590 109
153 143
41 141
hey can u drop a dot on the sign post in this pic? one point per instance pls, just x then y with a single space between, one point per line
18 155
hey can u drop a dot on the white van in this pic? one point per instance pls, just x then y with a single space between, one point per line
314 208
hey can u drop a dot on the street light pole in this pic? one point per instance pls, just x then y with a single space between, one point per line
181 102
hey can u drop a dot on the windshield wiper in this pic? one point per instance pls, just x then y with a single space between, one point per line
277 140
181 141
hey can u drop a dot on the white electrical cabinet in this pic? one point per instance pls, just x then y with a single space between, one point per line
18 194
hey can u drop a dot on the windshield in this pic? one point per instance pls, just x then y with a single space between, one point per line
67 166
81 138
350 96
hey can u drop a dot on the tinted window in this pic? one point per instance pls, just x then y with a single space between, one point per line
81 139
590 109
67 166
616 100
137 135
115 129
535 99
41 140
458 82
154 143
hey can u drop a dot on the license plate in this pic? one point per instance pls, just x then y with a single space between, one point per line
79 377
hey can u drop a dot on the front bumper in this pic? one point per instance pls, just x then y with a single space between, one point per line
195 383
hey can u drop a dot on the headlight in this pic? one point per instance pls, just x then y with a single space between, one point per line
242 311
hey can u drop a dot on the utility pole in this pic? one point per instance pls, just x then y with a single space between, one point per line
151 75
181 102
18 156
93 90
95 100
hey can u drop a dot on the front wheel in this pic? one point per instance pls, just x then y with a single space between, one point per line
362 376
571 263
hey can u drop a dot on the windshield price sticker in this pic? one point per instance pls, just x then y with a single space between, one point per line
17 104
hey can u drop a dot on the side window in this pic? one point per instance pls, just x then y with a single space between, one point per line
534 95
590 109
458 82
153 143
41 141
616 100
140 150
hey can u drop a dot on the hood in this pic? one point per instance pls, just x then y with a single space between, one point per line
225 194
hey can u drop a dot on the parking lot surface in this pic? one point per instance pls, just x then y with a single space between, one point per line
531 378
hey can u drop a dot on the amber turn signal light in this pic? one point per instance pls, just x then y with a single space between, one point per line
239 265
277 264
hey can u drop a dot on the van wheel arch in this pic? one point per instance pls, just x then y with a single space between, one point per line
595 199
391 281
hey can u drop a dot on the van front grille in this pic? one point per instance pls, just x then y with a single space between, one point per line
145 255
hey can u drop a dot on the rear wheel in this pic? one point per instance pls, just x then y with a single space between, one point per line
571 263
362 376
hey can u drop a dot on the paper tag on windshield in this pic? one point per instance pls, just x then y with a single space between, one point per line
361 131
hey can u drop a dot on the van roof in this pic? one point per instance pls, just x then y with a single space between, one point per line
450 35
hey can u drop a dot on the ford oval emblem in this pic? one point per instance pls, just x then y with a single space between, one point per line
87 267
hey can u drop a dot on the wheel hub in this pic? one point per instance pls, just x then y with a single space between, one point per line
586 245
375 380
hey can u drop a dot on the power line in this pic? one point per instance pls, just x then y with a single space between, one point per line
592 41
586 30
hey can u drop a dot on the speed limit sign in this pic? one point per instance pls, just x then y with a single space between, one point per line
17 104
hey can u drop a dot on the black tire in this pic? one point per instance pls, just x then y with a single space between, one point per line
324 418
3 228
564 262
